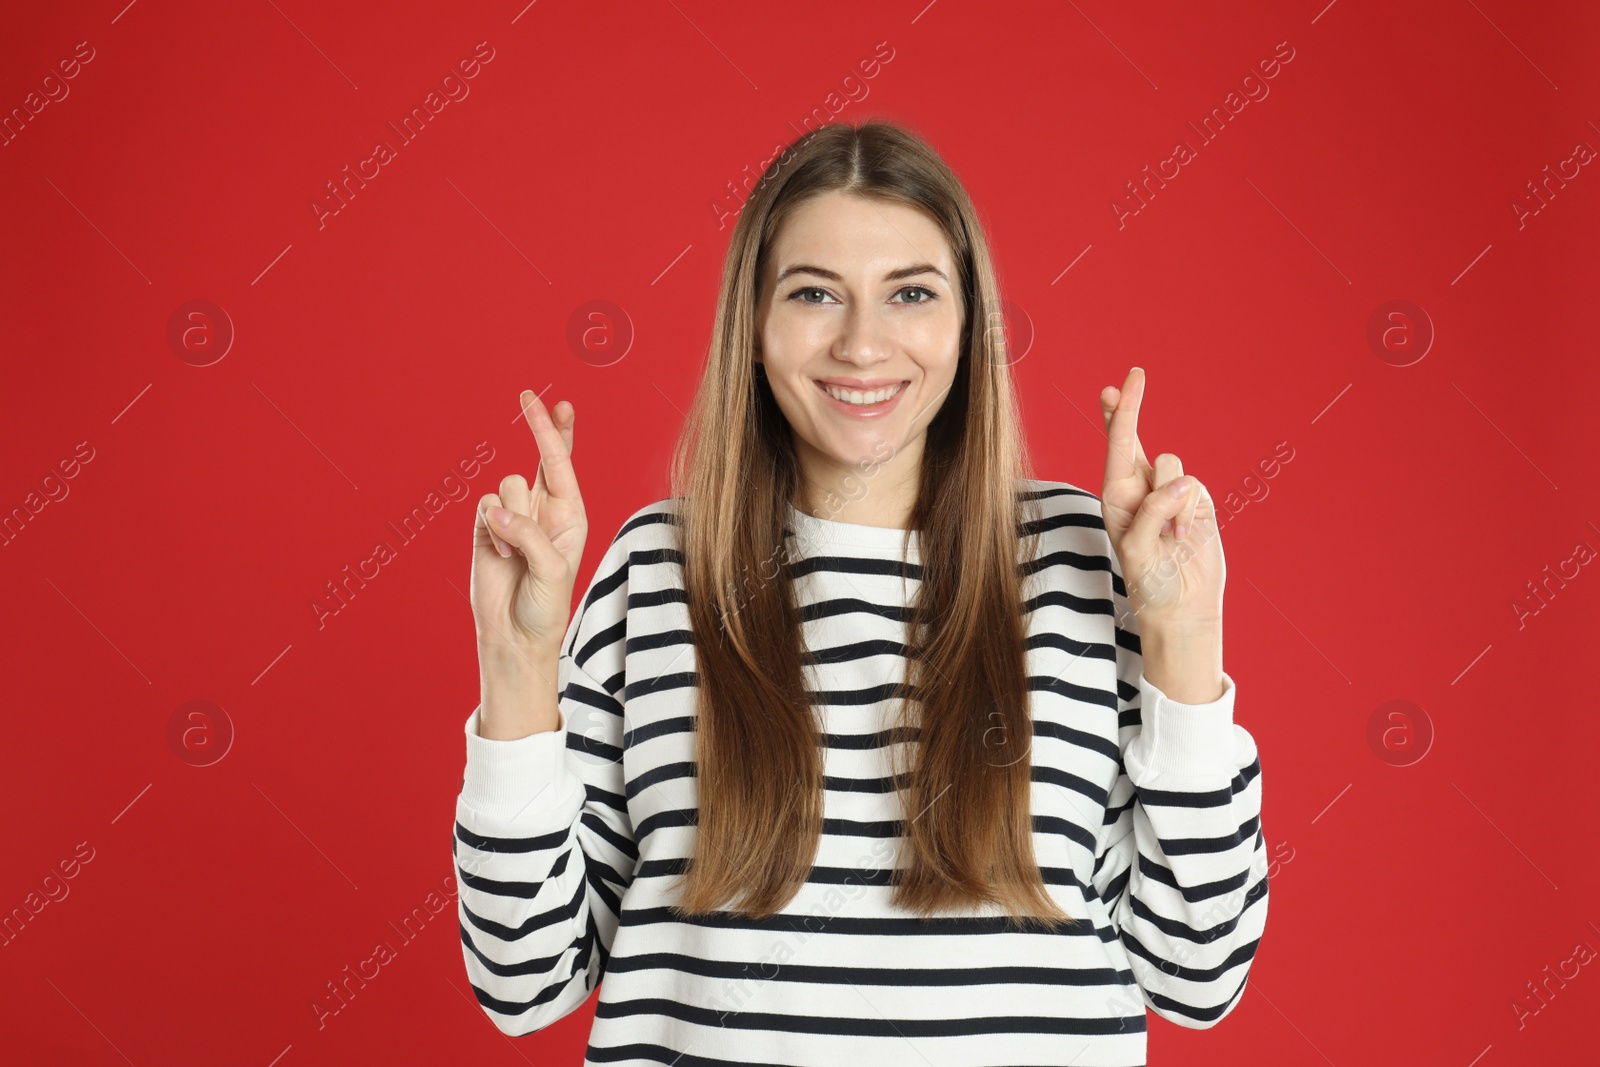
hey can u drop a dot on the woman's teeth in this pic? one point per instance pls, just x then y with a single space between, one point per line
852 396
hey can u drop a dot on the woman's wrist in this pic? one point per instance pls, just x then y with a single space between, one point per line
1184 661
518 696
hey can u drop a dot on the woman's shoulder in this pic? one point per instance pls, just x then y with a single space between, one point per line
1059 492
650 527
657 517
1054 498
646 538
1063 514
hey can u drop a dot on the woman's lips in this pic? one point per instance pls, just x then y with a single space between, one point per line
862 411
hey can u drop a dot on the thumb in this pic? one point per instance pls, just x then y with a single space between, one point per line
545 561
1158 507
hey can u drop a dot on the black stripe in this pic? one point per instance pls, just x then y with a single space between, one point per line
565 913
836 606
537 843
873 1026
1178 928
1190 846
1243 954
1202 1015
858 926
1214 798
895 977
894 568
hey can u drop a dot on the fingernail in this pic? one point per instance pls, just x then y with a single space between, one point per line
500 516
1182 531
1179 488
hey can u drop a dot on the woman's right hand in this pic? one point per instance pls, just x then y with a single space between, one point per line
524 568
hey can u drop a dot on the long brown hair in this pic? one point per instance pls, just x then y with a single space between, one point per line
965 696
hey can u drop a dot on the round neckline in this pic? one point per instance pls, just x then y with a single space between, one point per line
808 528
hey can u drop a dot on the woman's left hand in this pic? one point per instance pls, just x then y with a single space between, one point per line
1169 546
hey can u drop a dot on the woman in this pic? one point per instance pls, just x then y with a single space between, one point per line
858 748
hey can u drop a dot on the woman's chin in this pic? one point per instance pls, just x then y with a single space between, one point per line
863 450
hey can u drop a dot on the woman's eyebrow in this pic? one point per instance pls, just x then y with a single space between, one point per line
891 276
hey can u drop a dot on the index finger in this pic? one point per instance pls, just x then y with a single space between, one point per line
555 458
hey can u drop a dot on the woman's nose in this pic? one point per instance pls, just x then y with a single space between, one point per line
863 339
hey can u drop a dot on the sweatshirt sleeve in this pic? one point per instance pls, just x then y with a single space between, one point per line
1182 862
544 845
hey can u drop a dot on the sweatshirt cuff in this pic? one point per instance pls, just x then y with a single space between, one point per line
1186 739
522 785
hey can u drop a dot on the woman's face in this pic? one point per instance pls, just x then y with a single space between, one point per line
860 294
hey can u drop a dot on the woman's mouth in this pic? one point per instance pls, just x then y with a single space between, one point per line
862 403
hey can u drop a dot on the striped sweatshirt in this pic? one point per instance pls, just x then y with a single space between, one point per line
1146 823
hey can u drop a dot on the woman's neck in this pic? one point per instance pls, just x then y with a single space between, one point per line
871 493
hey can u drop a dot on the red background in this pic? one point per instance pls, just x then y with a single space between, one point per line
1410 904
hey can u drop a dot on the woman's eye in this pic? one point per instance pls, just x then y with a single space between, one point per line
925 296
